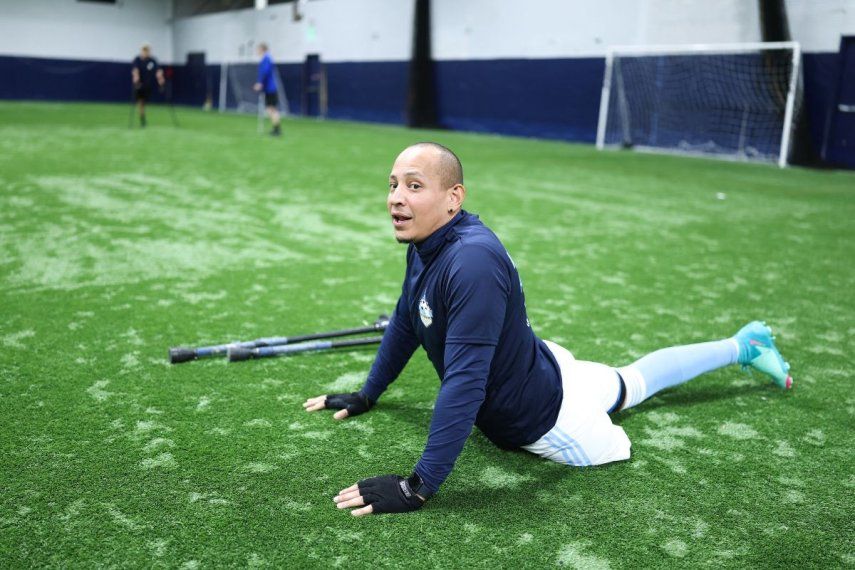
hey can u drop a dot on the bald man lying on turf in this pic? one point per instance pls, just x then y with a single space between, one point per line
462 301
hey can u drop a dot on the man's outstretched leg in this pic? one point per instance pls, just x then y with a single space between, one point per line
751 347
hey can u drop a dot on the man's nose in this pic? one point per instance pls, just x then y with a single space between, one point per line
396 196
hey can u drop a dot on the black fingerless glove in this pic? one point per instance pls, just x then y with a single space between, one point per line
355 403
391 493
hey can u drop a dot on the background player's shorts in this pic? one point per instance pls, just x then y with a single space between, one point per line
271 99
143 92
584 434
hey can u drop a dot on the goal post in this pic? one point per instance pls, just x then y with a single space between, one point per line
732 101
237 93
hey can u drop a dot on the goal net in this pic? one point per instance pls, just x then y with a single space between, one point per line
732 101
237 94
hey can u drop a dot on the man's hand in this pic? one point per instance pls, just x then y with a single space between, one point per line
347 405
384 494
257 86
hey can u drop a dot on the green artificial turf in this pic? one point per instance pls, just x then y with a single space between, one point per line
118 243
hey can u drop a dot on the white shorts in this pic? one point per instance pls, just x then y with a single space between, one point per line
583 433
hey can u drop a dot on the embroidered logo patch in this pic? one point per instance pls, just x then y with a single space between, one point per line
425 312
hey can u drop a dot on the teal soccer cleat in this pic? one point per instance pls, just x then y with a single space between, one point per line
757 350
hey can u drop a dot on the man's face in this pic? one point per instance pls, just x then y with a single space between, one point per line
144 53
418 200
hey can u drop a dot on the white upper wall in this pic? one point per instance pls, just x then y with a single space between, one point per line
818 24
338 30
487 29
69 29
381 30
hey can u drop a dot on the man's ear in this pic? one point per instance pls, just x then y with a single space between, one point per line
456 196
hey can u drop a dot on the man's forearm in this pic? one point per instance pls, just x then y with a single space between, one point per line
395 350
460 397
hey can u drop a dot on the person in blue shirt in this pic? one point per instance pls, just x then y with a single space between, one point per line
267 83
145 75
462 300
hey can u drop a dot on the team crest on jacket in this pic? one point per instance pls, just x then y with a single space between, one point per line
425 312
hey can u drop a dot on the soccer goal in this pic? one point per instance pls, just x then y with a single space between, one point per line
237 94
734 101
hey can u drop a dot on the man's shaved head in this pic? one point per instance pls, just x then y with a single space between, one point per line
450 169
425 191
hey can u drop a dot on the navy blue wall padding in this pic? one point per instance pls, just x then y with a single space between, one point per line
62 79
550 98
820 78
822 75
188 89
292 77
841 137
368 91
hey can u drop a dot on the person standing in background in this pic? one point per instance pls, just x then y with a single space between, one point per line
144 74
267 82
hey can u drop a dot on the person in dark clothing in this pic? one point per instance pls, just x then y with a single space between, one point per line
145 75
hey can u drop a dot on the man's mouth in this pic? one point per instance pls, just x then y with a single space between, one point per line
399 220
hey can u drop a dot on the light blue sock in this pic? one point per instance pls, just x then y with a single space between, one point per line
672 366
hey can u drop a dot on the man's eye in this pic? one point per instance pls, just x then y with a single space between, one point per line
415 186
392 186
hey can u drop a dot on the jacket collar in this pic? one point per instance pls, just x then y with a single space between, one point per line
435 241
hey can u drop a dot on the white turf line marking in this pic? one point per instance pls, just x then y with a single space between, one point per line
794 496
158 442
72 510
300 507
316 434
346 382
120 518
157 547
130 360
815 437
162 461
97 391
145 426
13 340
738 431
784 449
790 481
676 548
357 425
255 561
498 478
133 337
259 467
211 499
572 555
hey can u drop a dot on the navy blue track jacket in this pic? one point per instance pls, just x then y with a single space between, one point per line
462 301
